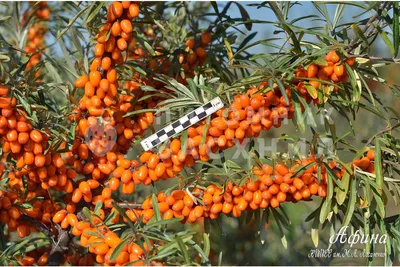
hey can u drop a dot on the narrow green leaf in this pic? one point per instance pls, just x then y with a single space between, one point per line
203 255
311 90
228 51
297 111
326 205
245 16
184 251
264 221
4 58
118 249
17 247
204 135
341 194
193 88
386 39
378 166
215 6
110 218
155 207
314 231
161 222
285 26
148 47
359 33
184 141
246 40
283 90
123 214
206 241
71 22
94 11
333 175
98 206
351 204
321 61
380 206
302 169
4 18
338 15
220 259
159 25
87 213
396 30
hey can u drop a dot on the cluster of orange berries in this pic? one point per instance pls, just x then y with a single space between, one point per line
42 170
27 148
35 41
365 163
103 247
246 117
102 109
38 257
104 134
270 187
110 132
92 159
194 55
104 242
334 71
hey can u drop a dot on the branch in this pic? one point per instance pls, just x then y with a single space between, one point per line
129 205
356 42
60 249
382 132
61 241
40 226
395 164
394 60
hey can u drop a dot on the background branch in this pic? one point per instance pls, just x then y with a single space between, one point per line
382 132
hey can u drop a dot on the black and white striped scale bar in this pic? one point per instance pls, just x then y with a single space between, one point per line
183 123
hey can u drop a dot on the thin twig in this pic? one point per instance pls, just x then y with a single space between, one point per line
395 164
382 132
39 225
394 60
129 205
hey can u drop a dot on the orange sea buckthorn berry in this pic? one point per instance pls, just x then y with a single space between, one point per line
339 69
332 56
59 216
206 38
371 154
126 26
95 78
312 70
350 61
117 9
81 81
190 43
134 10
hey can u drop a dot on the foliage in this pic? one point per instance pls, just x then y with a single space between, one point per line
166 59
